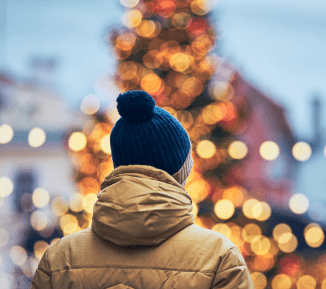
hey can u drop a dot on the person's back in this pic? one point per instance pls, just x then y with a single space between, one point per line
143 234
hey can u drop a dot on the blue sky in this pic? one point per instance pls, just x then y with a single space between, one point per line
278 45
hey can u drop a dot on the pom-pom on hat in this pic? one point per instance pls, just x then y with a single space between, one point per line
148 135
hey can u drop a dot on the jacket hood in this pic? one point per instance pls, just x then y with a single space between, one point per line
140 205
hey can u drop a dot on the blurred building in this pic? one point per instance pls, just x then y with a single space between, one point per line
34 124
266 121
310 179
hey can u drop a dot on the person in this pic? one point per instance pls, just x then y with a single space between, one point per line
142 234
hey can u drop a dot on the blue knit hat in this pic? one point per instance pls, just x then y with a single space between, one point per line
148 135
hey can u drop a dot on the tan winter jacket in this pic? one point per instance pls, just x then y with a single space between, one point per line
142 237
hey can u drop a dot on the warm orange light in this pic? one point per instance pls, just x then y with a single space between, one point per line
248 208
202 44
238 150
151 83
306 282
88 203
198 190
76 202
186 118
153 59
181 61
40 248
206 149
105 144
235 195
132 18
224 209
281 281
287 242
200 7
259 279
262 211
213 113
68 224
250 232
77 141
193 85
146 28
260 245
223 229
89 185
314 235
59 206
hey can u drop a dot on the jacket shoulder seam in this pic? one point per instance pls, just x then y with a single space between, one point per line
207 273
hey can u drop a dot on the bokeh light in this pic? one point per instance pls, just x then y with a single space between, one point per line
269 150
6 133
248 208
40 198
59 206
6 187
36 137
224 209
281 229
314 235
299 204
77 141
129 3
151 83
76 202
259 279
281 281
88 202
238 150
261 211
223 229
250 232
68 224
40 248
18 255
198 190
4 237
287 242
105 144
260 245
132 18
301 151
306 282
206 149
235 195
90 104
39 220
213 113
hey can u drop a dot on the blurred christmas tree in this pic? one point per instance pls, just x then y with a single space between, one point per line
168 49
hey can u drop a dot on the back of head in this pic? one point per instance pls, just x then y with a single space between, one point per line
148 135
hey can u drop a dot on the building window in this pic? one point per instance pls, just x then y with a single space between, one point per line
24 184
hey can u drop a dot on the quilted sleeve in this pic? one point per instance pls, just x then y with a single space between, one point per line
233 272
42 277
